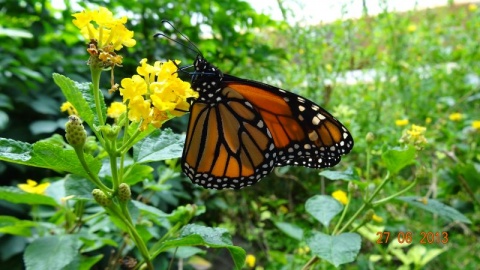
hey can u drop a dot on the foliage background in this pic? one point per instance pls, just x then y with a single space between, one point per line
421 65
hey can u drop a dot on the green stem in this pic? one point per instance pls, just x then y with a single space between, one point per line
93 177
344 213
126 146
384 200
96 73
125 217
366 203
113 165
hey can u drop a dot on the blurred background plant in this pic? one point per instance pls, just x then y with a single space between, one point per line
378 74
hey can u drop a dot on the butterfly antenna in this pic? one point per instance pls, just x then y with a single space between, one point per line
176 41
190 45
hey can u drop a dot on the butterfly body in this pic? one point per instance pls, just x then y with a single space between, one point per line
239 130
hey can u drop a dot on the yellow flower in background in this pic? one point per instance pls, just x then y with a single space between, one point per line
401 122
476 124
303 250
250 260
428 120
377 218
33 187
116 109
283 209
156 93
472 7
455 117
68 107
412 28
415 136
340 196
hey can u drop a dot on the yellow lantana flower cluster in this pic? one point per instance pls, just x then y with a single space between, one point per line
156 93
104 33
415 136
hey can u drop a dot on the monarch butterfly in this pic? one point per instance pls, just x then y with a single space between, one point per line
240 129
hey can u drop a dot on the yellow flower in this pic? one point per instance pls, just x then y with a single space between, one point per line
428 120
340 196
156 94
283 209
377 218
101 26
328 67
455 117
476 124
33 187
415 136
250 260
105 35
401 122
303 250
116 109
472 7
412 28
68 107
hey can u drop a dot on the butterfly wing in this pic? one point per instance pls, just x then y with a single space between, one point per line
228 144
304 133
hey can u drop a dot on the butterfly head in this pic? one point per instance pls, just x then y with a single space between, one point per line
206 77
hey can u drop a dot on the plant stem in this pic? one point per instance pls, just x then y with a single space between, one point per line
366 203
93 177
96 73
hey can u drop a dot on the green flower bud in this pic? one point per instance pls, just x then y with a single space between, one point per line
370 137
124 192
75 132
101 197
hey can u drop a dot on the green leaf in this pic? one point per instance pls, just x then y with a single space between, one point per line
323 208
80 95
436 207
337 250
154 214
4 119
137 173
290 229
51 252
45 154
15 226
194 235
79 186
160 145
397 158
15 195
347 175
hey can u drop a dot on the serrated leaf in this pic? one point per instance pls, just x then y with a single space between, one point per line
347 175
80 95
337 250
290 229
160 145
45 154
51 252
15 226
15 195
398 158
436 207
323 208
195 235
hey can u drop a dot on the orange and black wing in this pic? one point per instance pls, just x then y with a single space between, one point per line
228 144
304 133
